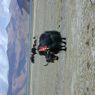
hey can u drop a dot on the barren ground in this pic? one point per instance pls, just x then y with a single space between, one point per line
74 73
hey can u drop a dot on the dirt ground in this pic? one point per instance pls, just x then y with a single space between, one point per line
74 73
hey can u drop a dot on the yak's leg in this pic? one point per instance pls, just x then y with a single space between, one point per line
63 48
63 38
63 42
56 57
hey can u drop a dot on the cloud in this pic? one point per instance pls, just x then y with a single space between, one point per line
4 66
3 87
3 39
4 13
5 4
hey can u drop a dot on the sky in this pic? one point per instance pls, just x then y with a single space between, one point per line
4 66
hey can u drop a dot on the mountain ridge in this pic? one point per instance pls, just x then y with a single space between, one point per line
18 44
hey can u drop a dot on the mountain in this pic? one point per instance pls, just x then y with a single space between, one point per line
23 4
18 47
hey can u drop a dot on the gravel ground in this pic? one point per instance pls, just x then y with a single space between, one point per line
74 73
79 76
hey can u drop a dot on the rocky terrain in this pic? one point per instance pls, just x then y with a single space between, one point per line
79 78
18 47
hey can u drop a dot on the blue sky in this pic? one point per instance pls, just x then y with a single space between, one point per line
4 67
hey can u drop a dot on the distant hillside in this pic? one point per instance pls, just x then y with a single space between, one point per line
20 5
18 44
23 4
